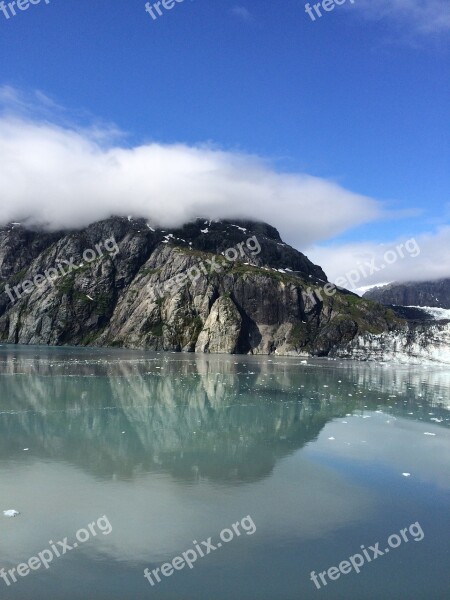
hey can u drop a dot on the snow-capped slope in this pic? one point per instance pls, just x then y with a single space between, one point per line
438 314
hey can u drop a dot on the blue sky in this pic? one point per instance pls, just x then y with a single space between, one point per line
359 97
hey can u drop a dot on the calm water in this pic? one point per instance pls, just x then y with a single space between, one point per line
174 448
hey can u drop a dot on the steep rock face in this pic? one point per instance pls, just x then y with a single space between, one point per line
208 286
221 330
19 247
425 293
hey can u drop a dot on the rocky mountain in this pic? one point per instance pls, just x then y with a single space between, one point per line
218 287
423 293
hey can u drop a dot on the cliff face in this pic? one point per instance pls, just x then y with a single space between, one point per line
425 293
206 287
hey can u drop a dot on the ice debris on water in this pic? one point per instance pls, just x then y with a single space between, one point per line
11 513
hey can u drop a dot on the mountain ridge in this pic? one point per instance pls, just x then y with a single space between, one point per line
413 293
261 302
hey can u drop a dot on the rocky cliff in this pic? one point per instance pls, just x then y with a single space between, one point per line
206 287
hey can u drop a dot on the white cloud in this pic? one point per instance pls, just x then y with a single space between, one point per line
241 12
419 16
63 177
425 258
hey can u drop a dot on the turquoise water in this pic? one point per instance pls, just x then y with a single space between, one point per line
322 458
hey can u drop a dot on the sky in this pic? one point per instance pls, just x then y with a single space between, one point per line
334 130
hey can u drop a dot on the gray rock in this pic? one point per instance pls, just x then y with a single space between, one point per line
259 303
415 293
222 328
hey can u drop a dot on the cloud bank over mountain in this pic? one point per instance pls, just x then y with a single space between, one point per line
57 176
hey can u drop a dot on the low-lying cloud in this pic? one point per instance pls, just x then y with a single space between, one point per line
56 176
60 176
425 258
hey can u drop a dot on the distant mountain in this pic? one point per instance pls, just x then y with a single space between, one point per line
424 293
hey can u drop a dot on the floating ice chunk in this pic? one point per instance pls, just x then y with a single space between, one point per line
406 474
11 513
428 433
331 438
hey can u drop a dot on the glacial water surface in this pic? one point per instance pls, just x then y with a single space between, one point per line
325 458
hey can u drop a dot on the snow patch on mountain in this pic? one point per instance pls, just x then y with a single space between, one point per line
437 313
